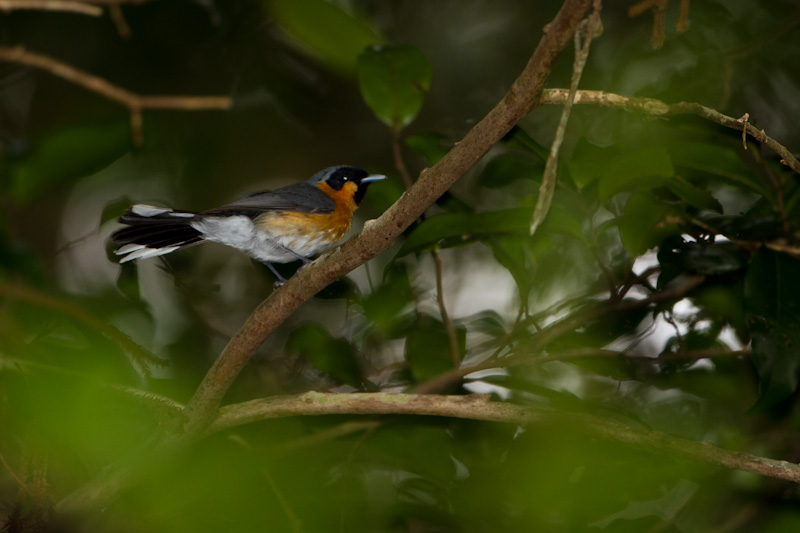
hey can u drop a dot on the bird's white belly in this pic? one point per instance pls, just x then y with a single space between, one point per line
239 232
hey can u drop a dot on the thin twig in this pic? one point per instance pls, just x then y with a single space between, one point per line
120 22
590 27
651 106
455 351
399 162
479 407
51 5
683 17
134 102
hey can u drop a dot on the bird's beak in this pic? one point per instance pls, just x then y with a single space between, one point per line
373 177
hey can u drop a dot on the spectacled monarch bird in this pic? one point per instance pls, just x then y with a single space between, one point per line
279 226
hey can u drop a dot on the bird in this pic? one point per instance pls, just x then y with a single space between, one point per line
277 226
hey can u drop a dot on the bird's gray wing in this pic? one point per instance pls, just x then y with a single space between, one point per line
300 197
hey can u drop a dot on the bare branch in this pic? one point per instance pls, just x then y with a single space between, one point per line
135 102
479 407
51 5
652 106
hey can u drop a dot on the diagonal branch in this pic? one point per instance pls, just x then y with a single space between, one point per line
479 407
651 106
379 235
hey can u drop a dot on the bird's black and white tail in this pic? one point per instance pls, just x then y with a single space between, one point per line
154 231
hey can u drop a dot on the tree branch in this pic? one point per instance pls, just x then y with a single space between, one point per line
479 407
379 235
51 5
134 102
652 106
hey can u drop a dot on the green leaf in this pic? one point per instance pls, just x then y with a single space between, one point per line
720 161
645 168
325 31
588 162
457 229
772 307
512 252
692 195
677 256
393 82
518 138
428 350
382 305
644 223
507 168
66 155
332 356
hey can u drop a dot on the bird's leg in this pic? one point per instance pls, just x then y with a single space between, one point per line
281 279
302 258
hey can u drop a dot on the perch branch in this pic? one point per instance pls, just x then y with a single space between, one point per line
134 102
479 407
651 106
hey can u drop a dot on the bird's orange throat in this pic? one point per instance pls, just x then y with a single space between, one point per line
345 198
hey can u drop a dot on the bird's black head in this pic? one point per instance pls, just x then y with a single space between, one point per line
339 177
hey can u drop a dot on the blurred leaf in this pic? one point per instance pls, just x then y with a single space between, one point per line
748 227
716 160
325 30
332 356
645 223
772 307
602 331
512 252
393 82
487 321
641 169
518 138
456 229
431 145
428 349
692 195
588 162
65 155
387 301
666 507
115 209
678 256
507 168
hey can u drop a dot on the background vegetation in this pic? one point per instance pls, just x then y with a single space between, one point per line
649 324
